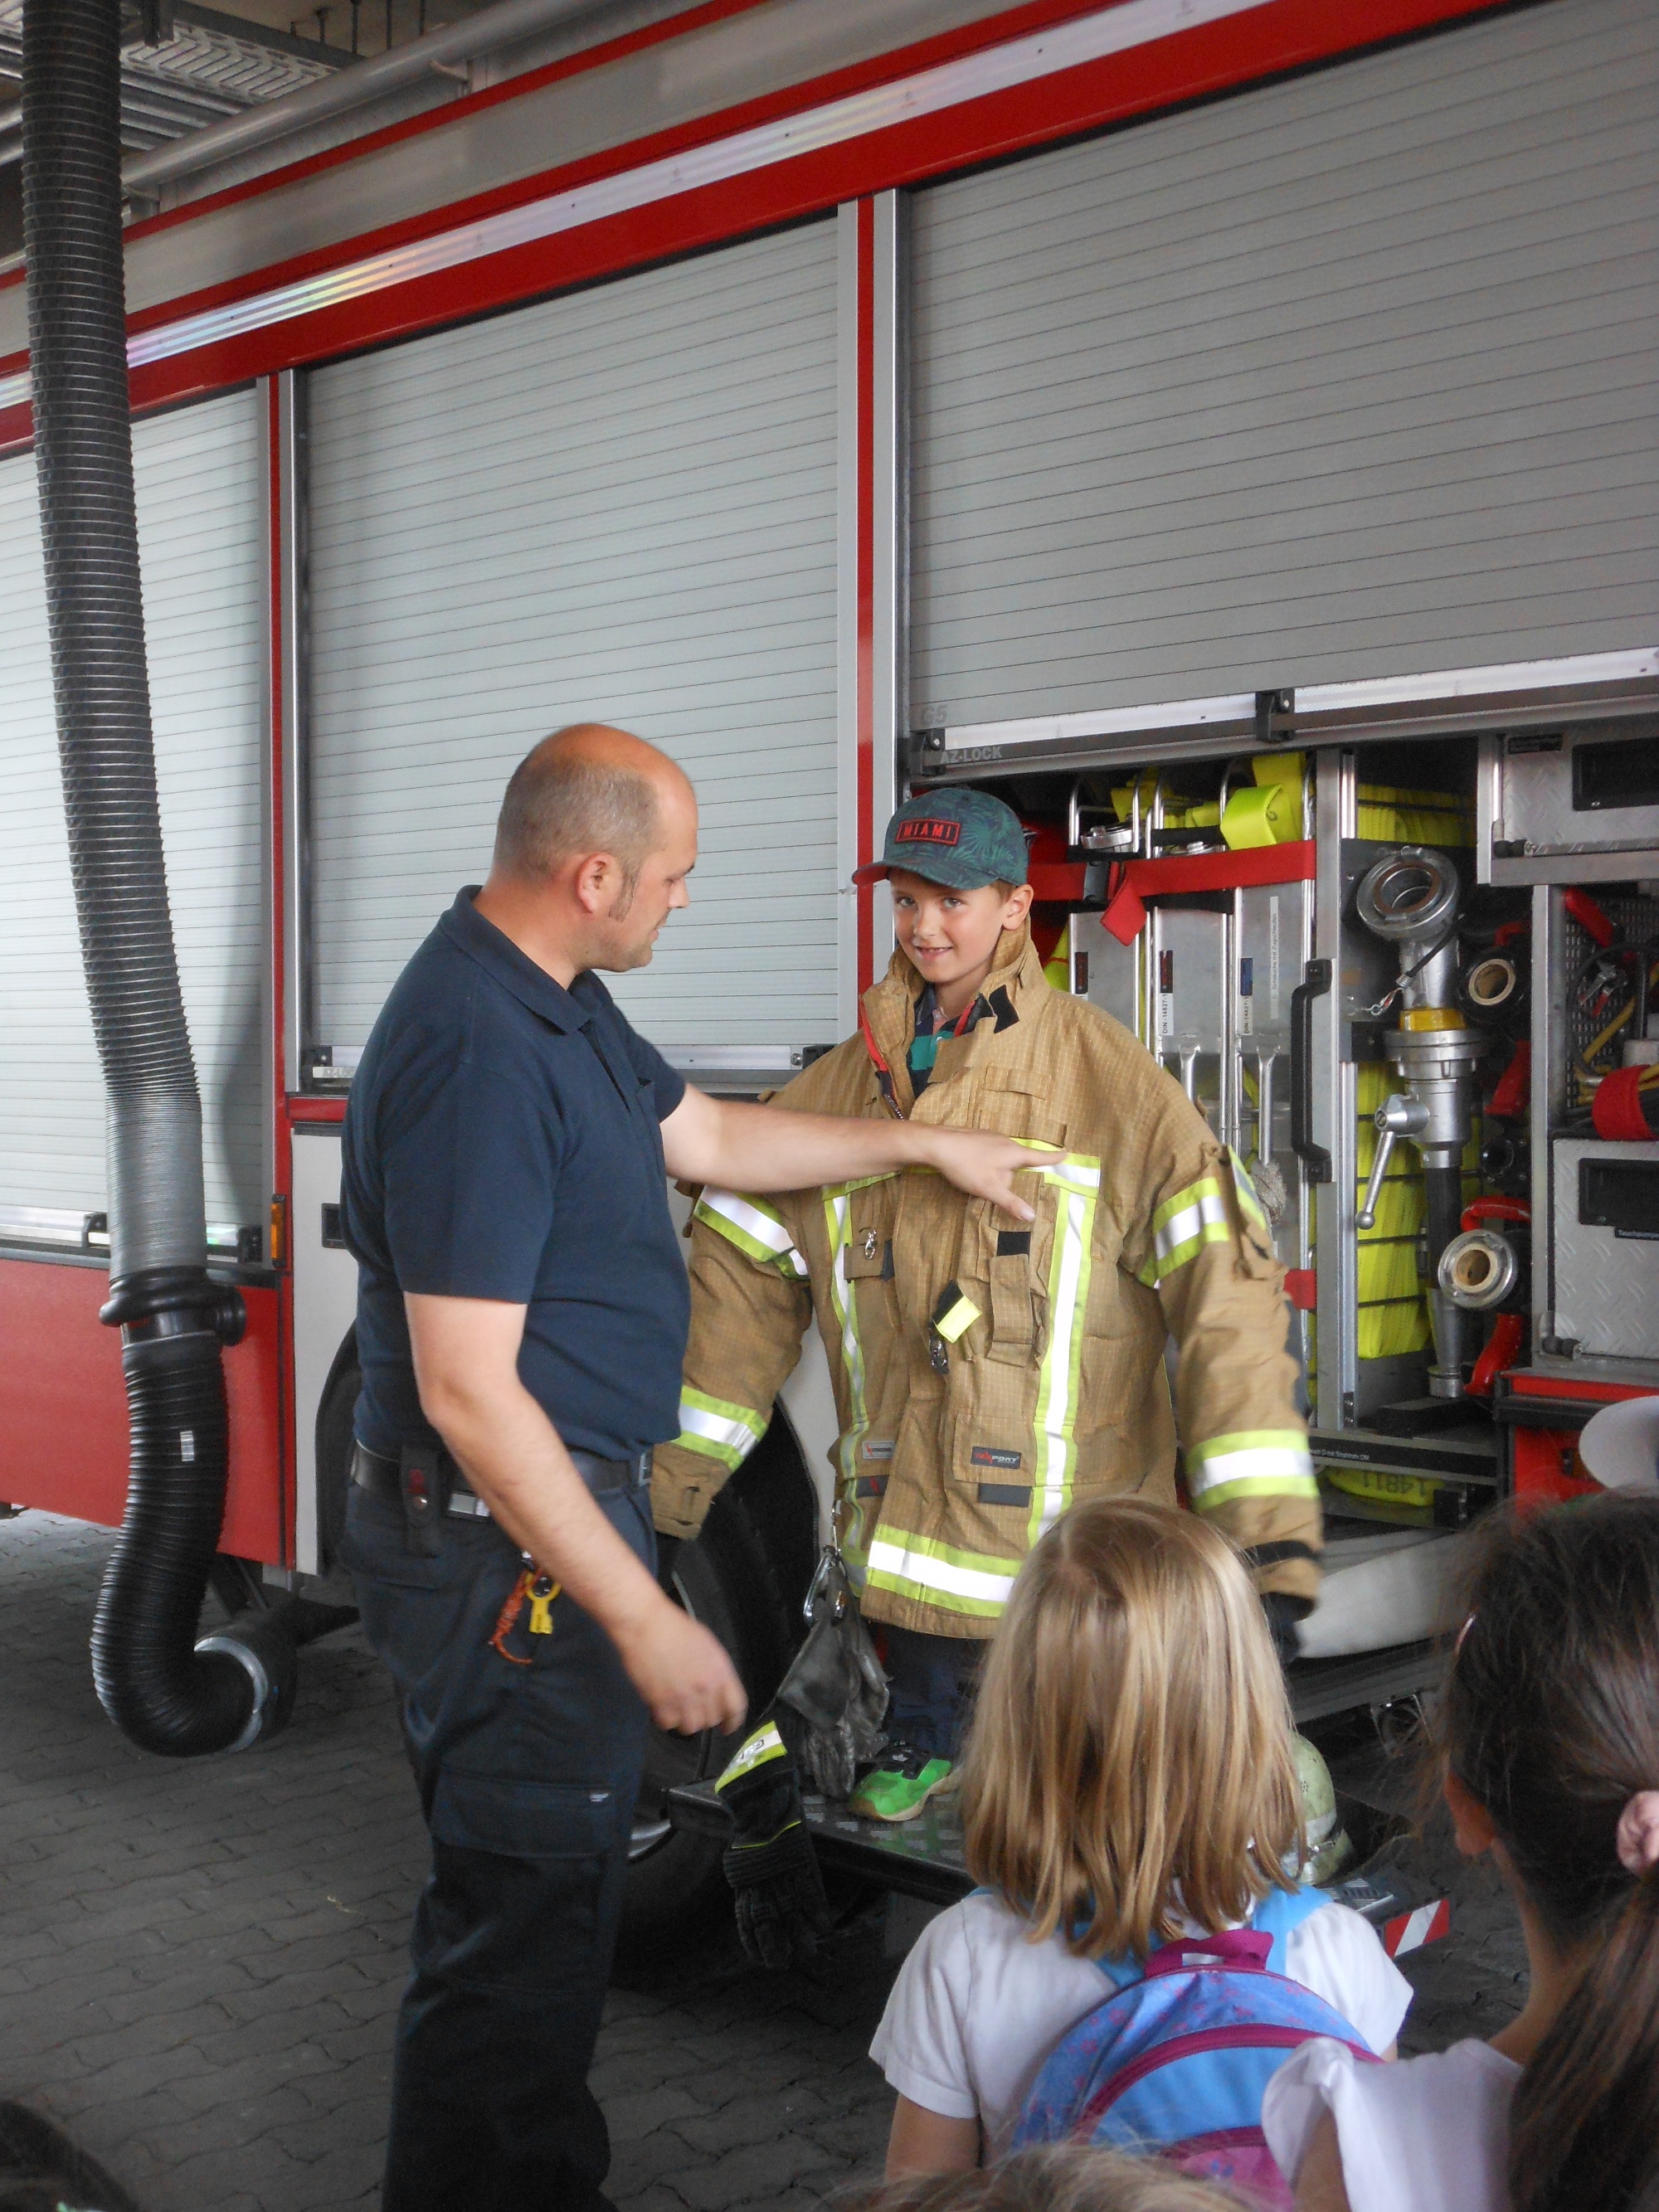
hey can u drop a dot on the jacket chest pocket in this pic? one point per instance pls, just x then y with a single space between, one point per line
867 1232
1012 1103
995 1368
869 1251
1004 1266
1013 1288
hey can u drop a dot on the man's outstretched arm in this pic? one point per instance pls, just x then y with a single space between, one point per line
760 1148
466 1365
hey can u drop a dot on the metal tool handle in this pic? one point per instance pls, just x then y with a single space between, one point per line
1315 1158
1402 1115
1264 1104
1366 1217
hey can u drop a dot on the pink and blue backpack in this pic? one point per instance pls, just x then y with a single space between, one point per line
1175 2061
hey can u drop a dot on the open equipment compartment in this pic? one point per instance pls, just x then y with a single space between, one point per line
1367 954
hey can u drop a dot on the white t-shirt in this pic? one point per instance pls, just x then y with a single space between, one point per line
978 2007
1427 2135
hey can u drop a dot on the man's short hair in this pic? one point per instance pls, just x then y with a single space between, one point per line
561 802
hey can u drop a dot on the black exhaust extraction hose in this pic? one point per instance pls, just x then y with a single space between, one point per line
150 1680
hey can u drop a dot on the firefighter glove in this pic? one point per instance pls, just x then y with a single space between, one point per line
832 1701
770 1864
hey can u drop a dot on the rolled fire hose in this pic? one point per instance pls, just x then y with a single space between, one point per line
154 1684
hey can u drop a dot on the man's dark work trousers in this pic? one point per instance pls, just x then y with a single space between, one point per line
527 1776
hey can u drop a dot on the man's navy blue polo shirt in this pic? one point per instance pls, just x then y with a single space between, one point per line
503 1141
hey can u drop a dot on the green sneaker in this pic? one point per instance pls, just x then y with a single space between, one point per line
899 1787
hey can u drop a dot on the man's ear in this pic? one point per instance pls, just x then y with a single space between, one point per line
594 881
1472 1824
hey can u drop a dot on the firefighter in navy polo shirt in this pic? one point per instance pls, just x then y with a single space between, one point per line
522 1325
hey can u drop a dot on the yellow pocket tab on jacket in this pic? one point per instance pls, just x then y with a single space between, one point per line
954 1314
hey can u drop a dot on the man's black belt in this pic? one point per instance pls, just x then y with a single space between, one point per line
436 1476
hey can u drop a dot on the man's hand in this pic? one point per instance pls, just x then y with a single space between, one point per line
681 1671
466 1354
980 1163
761 1148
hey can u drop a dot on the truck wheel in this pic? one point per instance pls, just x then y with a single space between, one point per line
726 1581
335 1410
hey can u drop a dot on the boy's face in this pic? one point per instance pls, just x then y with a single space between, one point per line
952 935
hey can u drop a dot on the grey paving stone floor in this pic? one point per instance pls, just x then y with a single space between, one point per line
199 1962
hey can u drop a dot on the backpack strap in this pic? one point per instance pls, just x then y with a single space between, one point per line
1279 1911
1238 1950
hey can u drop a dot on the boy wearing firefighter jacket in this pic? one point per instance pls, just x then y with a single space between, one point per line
986 1376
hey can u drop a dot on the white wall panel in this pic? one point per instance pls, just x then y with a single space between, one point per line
1351 377
201 548
617 506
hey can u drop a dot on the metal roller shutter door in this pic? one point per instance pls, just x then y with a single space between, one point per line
618 505
201 543
1351 377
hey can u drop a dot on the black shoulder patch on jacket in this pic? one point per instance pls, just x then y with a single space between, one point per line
1003 1007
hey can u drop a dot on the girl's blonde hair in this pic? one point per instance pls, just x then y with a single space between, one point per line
1057 2178
1130 1761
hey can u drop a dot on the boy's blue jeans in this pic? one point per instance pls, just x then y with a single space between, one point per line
930 1681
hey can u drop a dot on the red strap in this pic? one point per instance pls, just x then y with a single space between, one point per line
1056 883
1302 1289
1495 1209
1503 1349
1589 916
1509 1100
1126 915
1618 1112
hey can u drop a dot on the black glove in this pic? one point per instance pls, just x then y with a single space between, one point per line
1283 1611
770 1863
831 1703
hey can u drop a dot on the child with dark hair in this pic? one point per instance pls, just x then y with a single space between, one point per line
1550 1739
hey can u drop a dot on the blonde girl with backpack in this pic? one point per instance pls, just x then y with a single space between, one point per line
1129 1780
1549 1748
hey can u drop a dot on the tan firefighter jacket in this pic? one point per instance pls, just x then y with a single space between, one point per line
969 1422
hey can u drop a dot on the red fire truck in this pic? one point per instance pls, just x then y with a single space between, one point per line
1224 428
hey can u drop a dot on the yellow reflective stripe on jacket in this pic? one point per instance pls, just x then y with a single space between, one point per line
717 1428
1183 1226
765 1744
869 1182
1071 1170
753 1226
1060 1380
934 1574
1250 1463
843 1297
